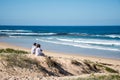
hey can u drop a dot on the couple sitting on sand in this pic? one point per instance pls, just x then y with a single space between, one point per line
36 49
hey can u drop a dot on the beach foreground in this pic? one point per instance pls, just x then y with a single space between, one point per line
56 66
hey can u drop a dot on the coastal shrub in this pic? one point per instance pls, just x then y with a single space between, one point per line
9 50
92 66
110 70
2 50
22 61
75 62
103 77
107 68
18 60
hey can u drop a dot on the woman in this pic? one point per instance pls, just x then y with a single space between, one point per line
38 51
33 48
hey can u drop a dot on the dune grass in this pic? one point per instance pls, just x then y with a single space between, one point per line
51 63
57 67
108 69
104 77
9 50
22 61
75 62
18 60
97 66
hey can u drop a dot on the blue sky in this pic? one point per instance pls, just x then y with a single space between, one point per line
59 12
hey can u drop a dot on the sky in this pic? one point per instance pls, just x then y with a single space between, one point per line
60 12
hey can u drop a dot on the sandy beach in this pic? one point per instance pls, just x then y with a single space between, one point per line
66 55
63 58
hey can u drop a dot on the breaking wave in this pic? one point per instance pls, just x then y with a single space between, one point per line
85 43
31 33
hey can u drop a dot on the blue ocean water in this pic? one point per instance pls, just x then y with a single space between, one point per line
103 41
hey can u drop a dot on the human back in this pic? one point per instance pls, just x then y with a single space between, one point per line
38 51
33 49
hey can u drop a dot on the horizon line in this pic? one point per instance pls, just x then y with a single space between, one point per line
59 25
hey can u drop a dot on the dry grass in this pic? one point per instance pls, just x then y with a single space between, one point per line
52 66
104 77
22 61
75 62
51 63
56 67
9 50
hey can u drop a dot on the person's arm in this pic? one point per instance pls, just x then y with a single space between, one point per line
41 50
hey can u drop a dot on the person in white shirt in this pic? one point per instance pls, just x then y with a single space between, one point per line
33 48
38 51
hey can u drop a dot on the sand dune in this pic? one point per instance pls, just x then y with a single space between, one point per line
56 66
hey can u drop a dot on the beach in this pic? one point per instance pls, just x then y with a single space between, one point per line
64 58
59 40
66 55
78 40
71 54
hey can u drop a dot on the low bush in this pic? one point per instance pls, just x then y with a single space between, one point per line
104 77
9 50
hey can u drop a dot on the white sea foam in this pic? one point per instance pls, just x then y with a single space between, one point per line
29 34
113 36
91 41
81 34
80 45
109 35
15 31
15 36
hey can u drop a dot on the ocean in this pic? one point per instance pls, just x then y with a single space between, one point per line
101 41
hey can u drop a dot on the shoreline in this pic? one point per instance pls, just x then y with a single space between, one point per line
59 48
66 55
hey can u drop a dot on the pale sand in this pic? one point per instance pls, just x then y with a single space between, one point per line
66 55
65 60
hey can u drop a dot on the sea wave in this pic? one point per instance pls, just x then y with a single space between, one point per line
33 33
15 36
7 31
91 41
109 35
27 34
82 45
113 36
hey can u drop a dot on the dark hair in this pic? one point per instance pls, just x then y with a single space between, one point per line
34 44
38 45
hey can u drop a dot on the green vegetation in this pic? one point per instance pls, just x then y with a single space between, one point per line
97 66
104 77
16 58
110 70
91 66
22 61
9 50
19 60
11 58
